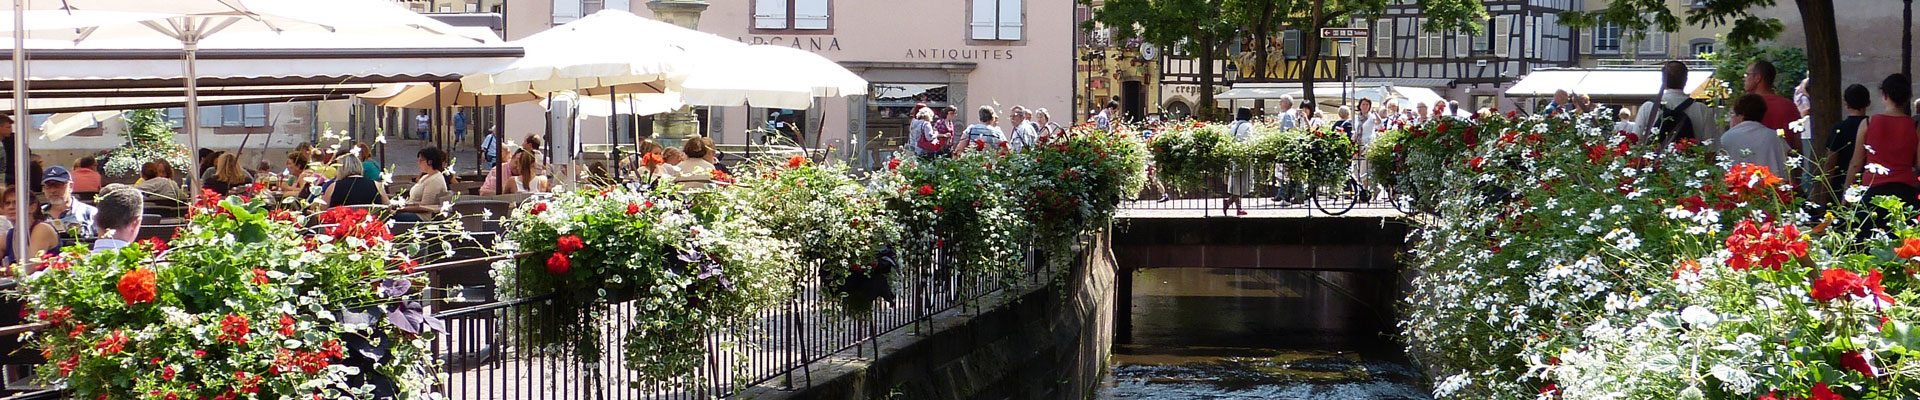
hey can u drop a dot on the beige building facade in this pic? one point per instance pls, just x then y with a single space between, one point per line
1610 45
963 53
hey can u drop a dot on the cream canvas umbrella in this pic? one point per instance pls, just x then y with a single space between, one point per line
768 76
63 124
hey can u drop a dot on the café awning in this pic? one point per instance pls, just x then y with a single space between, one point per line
1605 83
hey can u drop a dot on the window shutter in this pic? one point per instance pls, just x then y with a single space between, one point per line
1290 44
231 115
209 116
984 27
1502 35
622 5
256 115
176 117
810 14
1010 21
1460 43
770 14
565 11
1531 33
1383 38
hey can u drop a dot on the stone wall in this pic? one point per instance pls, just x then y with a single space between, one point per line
1047 342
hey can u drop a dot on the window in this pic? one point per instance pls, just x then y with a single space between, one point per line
995 19
803 15
233 116
1483 42
565 11
1290 43
1432 44
1606 38
1700 47
1383 38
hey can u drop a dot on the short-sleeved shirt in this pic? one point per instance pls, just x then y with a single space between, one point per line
1751 142
430 191
988 134
1780 112
1840 144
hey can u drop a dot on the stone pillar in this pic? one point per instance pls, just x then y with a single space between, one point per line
676 127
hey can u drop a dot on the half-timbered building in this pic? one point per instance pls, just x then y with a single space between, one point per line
1518 37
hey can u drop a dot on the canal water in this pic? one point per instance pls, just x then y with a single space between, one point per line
1202 333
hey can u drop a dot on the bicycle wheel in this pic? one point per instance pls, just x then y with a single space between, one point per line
1338 199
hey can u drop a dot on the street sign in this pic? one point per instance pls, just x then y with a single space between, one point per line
1344 33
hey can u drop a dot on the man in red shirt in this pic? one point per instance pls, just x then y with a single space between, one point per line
1780 110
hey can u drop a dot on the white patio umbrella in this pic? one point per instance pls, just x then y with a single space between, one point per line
190 23
193 23
768 76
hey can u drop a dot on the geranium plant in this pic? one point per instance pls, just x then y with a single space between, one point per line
1073 183
689 266
242 304
835 224
966 207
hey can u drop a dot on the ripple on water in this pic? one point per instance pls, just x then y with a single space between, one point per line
1208 373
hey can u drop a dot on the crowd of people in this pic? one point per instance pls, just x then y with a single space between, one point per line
939 132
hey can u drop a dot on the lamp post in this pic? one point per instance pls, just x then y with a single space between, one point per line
675 127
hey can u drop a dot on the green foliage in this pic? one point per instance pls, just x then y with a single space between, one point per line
1190 157
1074 183
690 267
243 300
149 137
1730 68
1650 15
837 227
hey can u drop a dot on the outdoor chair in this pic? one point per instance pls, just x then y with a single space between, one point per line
150 219
164 231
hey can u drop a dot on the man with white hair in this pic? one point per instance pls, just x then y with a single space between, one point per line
1287 118
1025 131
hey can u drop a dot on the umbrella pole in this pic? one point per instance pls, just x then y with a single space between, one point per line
613 113
23 125
192 46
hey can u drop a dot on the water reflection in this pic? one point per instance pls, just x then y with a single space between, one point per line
1240 334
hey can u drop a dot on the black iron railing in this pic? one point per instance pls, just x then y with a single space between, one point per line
1272 192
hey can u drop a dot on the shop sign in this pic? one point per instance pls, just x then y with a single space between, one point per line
958 54
808 43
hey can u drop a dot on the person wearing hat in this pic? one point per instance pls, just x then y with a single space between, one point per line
67 213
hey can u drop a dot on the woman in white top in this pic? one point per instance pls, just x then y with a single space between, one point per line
1240 183
669 170
697 171
428 192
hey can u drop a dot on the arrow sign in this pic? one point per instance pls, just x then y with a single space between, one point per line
1344 33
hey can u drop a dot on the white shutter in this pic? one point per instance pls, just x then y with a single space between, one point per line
622 5
1460 42
565 11
209 116
1010 23
176 116
256 114
1502 35
984 26
770 14
810 14
1532 35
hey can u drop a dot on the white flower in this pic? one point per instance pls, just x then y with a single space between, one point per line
1877 169
1699 317
1856 193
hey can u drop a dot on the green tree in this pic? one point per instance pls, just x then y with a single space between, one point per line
1195 27
1817 17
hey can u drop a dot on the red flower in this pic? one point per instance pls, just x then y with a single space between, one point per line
137 286
633 209
166 373
286 325
1834 283
1511 114
1764 246
651 159
1873 286
1748 180
558 264
647 204
926 190
1820 392
796 161
569 244
1476 163
537 209
1909 249
260 276
155 243
1686 266
112 344
1854 361
893 164
234 329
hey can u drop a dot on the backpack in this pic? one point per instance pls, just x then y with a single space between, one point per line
1674 123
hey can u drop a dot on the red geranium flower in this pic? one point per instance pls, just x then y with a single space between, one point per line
722 176
260 276
796 161
155 243
137 286
558 264
1748 180
537 209
1820 392
286 325
569 244
651 159
893 164
633 209
1764 245
1834 283
234 329
1853 360
1909 249
926 190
